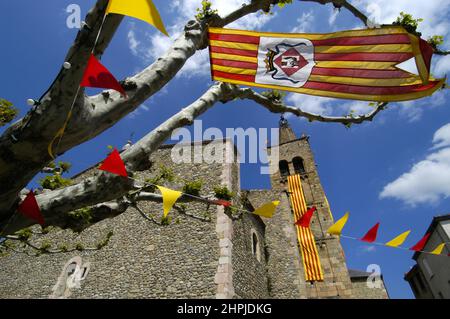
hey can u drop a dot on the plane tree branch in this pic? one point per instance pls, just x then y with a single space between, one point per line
279 107
347 5
23 146
105 187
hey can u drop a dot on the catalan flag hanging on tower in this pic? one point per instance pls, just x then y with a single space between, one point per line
310 255
357 64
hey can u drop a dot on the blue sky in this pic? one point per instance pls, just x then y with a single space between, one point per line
395 170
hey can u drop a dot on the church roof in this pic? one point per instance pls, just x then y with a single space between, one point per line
287 134
353 273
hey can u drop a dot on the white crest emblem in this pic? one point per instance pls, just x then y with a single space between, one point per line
284 62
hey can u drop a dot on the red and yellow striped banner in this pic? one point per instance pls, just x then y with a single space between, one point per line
310 255
359 64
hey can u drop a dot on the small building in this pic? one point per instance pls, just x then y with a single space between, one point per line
429 278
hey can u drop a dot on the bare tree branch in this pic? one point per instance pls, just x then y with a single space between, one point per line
276 107
106 187
41 250
440 52
102 191
343 3
23 147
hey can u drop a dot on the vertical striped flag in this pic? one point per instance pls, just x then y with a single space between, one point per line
310 255
357 64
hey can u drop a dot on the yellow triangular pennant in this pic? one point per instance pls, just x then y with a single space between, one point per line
267 210
169 198
336 229
140 9
397 241
438 249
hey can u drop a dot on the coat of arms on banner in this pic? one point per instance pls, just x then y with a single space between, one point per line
286 62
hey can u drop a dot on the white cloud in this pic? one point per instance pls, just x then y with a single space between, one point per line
412 111
441 66
311 104
434 12
133 42
441 137
333 15
428 180
304 23
142 108
187 9
327 106
368 248
154 44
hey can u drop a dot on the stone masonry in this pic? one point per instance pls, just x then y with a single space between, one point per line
206 251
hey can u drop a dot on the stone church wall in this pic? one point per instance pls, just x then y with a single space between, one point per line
203 253
362 291
284 270
145 260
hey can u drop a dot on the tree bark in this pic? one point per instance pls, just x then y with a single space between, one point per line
106 187
23 146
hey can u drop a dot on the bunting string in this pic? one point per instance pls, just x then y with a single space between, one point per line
370 237
96 75
400 247
115 165
62 130
266 210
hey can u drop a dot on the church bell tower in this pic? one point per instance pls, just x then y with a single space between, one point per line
293 160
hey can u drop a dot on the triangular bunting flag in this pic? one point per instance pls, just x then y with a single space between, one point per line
305 220
97 76
267 210
30 208
169 198
140 9
114 164
421 243
400 239
336 228
221 202
438 249
371 235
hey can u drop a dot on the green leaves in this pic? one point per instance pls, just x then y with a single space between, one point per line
407 21
274 95
65 166
205 11
84 214
54 182
193 188
7 112
283 3
435 41
222 192
24 234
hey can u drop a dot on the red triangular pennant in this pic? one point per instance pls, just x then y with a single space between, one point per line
305 220
371 235
421 243
222 202
30 208
114 164
97 76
